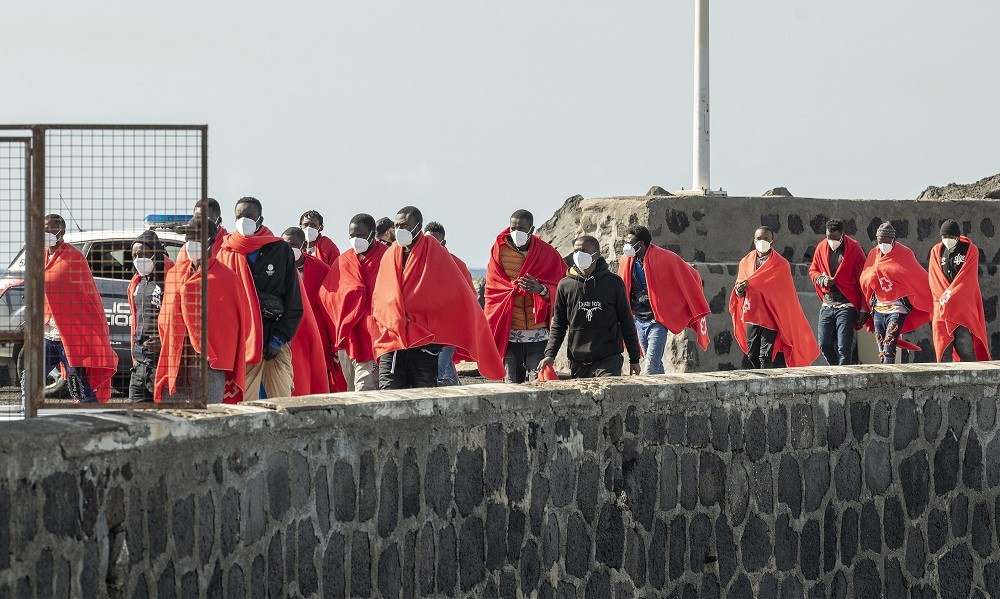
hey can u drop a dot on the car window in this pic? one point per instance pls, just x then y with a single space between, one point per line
111 259
173 248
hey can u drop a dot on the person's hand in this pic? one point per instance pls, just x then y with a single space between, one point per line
823 281
153 344
546 362
741 287
270 352
633 368
530 284
862 319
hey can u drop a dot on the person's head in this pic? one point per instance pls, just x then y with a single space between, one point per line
193 238
834 230
436 230
385 230
885 236
296 239
637 240
148 253
408 219
312 223
55 230
362 232
212 207
522 225
249 216
586 251
950 232
763 239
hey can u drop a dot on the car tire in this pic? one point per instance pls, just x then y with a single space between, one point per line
55 385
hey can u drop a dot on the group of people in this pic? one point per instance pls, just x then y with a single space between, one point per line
293 315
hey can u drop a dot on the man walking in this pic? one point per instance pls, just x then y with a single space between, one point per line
265 265
317 244
521 281
665 293
835 271
592 309
447 374
145 298
311 351
959 321
768 321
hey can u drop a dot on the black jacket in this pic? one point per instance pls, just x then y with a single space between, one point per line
595 313
277 281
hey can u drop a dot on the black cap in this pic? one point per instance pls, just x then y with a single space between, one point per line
950 227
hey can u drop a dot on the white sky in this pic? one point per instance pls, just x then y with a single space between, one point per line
471 110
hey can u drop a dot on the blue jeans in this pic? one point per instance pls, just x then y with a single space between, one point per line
887 327
653 339
447 375
79 386
836 334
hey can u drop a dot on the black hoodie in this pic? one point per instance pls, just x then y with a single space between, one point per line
595 313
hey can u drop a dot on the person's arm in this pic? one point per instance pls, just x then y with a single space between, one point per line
286 326
559 323
816 275
627 325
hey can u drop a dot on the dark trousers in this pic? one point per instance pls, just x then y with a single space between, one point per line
142 382
521 361
836 334
610 366
963 345
79 386
408 369
887 327
760 346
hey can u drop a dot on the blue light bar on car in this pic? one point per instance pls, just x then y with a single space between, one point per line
161 221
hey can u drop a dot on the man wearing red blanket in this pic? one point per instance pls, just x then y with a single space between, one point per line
665 293
318 245
959 322
896 288
312 353
422 303
76 330
521 282
346 299
835 270
768 321
266 268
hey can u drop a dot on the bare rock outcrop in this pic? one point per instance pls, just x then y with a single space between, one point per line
988 188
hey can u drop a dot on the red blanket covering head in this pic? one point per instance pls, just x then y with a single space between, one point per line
675 291
74 303
346 297
846 277
772 288
429 302
958 303
232 253
229 322
543 263
893 276
310 371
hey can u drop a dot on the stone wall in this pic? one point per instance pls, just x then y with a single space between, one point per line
809 482
713 233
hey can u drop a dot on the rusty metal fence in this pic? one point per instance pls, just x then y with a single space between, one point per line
93 216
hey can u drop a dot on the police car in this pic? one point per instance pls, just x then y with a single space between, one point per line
109 254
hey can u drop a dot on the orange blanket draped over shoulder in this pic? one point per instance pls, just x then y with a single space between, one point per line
428 301
846 277
675 291
232 253
543 263
229 323
309 357
326 250
893 276
958 303
346 297
74 303
771 294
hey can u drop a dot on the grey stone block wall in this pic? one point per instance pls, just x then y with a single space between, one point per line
808 482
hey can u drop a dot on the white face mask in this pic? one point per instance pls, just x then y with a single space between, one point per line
949 242
404 237
193 249
583 260
763 246
297 252
246 226
360 244
311 234
630 250
520 238
834 244
143 266
885 248
50 240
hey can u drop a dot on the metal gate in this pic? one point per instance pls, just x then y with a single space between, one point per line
108 184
